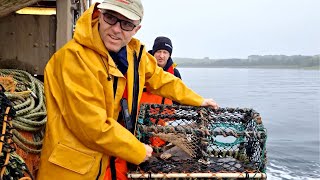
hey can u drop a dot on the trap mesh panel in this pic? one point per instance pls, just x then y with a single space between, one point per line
189 139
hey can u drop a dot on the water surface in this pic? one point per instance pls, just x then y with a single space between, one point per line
289 103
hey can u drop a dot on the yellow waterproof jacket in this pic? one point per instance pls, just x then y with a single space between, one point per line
82 131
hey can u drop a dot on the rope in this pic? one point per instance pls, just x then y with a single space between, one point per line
29 103
12 165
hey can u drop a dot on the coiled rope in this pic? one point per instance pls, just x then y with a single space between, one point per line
29 103
28 124
12 165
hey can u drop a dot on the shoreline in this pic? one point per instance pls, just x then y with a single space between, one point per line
251 67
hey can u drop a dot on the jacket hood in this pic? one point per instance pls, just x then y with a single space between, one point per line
87 30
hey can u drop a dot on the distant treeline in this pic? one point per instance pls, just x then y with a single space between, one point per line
267 61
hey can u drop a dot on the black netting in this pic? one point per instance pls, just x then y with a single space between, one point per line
189 139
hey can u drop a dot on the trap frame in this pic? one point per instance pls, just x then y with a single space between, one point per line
201 142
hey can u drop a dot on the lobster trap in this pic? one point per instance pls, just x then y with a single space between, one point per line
201 142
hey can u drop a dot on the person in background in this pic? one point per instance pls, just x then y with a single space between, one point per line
162 51
102 70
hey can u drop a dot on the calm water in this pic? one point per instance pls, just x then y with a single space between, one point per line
289 103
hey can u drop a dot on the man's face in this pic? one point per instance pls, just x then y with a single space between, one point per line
162 57
113 36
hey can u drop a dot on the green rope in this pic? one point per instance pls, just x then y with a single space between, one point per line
14 167
222 144
24 104
32 123
30 107
238 127
26 109
24 147
25 127
24 140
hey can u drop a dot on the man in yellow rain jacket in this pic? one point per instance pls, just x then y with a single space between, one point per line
84 83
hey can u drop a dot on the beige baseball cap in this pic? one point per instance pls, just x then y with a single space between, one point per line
132 9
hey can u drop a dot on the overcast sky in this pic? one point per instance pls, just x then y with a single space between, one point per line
233 28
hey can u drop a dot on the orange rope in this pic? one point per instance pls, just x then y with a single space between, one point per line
25 178
4 127
8 83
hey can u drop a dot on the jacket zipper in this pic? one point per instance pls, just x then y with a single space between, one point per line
100 167
136 88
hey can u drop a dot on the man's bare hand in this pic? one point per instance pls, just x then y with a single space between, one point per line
211 103
149 152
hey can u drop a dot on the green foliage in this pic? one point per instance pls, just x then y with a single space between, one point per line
253 61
